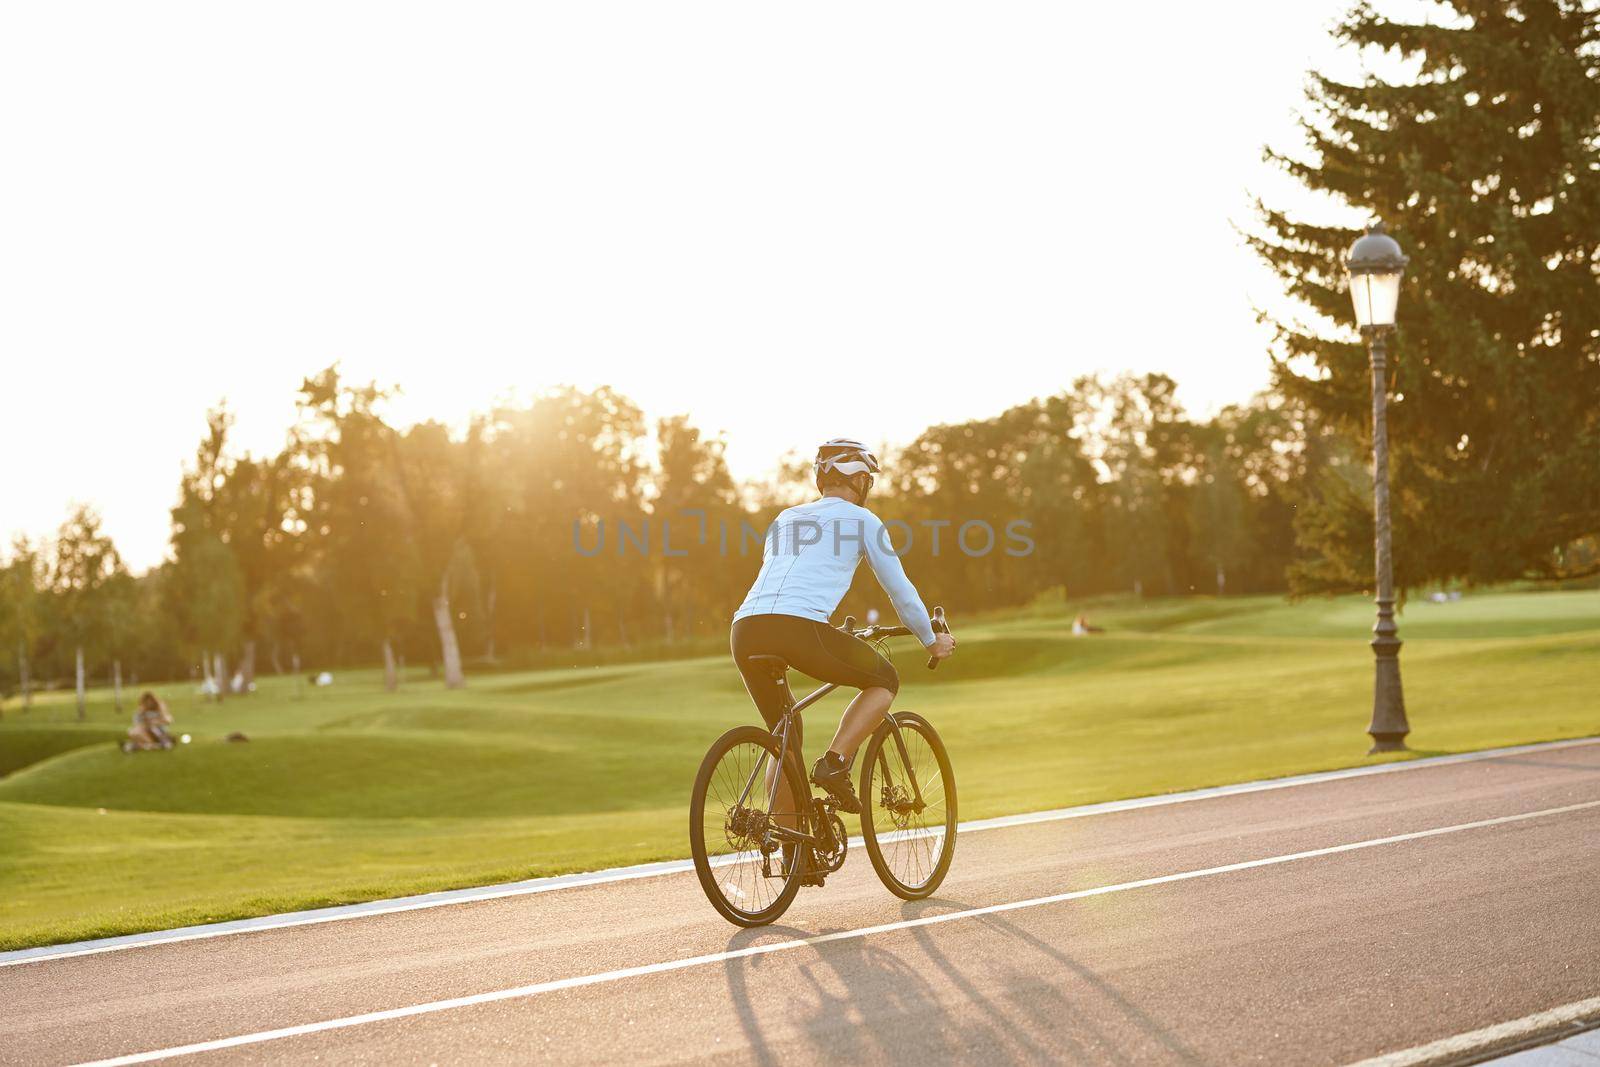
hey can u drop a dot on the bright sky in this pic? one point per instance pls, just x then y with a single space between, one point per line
790 221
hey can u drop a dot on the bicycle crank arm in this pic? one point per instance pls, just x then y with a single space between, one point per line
783 833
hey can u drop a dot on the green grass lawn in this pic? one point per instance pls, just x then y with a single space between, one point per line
349 793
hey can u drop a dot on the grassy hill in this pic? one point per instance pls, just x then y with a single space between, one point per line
349 793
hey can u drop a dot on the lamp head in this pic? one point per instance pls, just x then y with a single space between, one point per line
1375 265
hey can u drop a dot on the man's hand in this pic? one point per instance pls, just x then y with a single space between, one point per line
943 646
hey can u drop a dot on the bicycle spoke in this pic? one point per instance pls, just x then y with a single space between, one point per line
734 832
910 842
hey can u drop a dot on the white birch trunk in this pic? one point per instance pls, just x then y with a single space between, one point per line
219 674
449 647
489 630
391 676
83 711
116 684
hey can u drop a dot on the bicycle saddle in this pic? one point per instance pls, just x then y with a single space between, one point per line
776 666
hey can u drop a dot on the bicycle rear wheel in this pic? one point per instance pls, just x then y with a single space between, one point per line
738 859
911 841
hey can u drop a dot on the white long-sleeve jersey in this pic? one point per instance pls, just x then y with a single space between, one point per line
809 556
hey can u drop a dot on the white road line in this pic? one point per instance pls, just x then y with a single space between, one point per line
447 898
820 939
1462 1044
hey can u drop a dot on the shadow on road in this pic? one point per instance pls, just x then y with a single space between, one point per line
861 1000
1122 1008
843 987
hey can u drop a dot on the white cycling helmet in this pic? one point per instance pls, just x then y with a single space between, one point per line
846 456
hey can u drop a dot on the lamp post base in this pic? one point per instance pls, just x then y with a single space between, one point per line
1389 726
1387 743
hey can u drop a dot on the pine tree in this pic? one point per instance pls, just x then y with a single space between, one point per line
1484 162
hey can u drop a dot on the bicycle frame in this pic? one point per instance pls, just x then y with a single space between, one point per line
783 731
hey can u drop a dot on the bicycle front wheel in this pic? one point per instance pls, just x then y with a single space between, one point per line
908 814
747 872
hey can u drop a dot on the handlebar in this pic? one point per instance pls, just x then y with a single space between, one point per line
939 627
873 633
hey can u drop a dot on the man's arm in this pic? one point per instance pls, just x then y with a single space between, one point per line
892 576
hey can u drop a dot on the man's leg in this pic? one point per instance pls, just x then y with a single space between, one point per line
860 719
832 770
783 799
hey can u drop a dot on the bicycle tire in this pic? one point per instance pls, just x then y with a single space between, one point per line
729 882
886 818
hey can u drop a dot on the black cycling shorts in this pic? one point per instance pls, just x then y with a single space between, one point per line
810 647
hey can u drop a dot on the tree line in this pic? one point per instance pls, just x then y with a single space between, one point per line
572 522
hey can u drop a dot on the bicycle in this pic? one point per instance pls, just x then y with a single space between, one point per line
752 860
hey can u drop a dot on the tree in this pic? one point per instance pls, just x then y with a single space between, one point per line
436 484
87 580
1252 461
1139 437
206 589
483 508
362 516
569 457
1485 162
1025 464
1221 535
694 500
20 613
153 643
252 513
119 607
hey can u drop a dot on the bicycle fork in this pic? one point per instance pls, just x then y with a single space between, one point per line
918 804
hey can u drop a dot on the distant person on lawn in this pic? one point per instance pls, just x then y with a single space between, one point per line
150 722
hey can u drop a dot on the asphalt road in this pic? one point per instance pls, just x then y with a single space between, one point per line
1434 901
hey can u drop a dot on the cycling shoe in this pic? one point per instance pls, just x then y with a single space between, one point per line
832 773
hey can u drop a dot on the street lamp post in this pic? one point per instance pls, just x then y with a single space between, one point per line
1375 265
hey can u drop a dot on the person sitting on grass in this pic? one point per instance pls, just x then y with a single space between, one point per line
149 729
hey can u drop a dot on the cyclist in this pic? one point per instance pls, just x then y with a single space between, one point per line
809 557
